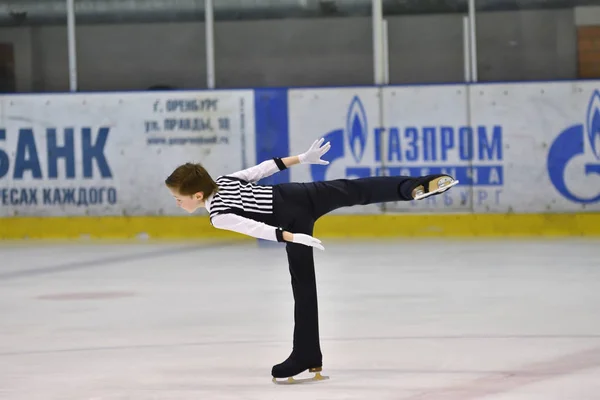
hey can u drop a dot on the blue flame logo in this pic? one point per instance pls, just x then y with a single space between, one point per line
356 128
569 144
593 123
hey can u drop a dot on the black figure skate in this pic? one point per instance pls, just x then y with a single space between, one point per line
294 366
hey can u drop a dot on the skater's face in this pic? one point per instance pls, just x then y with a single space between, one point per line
188 203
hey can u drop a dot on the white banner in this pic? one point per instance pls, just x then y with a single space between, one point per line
514 147
109 154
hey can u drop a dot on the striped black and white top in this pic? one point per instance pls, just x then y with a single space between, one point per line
242 206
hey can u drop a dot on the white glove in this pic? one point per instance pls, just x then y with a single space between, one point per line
314 154
307 240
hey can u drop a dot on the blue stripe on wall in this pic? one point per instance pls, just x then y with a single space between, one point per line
272 132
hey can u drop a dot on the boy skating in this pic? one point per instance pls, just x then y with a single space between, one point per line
287 213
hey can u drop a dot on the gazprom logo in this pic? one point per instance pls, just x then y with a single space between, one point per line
472 154
356 128
570 144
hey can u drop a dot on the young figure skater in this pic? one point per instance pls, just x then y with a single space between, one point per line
287 213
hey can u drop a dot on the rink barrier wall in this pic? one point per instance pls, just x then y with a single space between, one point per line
331 226
93 164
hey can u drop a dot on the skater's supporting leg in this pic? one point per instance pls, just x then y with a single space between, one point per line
306 351
304 287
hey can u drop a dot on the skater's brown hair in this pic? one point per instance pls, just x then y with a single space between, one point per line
189 179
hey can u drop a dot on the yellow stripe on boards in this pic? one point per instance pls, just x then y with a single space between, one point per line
355 226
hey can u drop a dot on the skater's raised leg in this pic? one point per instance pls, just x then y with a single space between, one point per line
331 195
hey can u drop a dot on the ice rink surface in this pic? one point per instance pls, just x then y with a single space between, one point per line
400 319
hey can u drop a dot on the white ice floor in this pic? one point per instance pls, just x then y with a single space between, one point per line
402 320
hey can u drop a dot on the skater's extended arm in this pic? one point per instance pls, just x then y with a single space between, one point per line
246 226
269 167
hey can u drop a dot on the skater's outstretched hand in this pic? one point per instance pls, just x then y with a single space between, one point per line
307 240
315 152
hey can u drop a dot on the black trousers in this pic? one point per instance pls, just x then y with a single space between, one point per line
297 207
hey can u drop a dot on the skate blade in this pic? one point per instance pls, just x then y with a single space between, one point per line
438 190
296 381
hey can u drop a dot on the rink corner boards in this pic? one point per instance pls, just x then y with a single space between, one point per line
331 226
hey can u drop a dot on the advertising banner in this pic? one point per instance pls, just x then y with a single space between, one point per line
109 154
525 148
